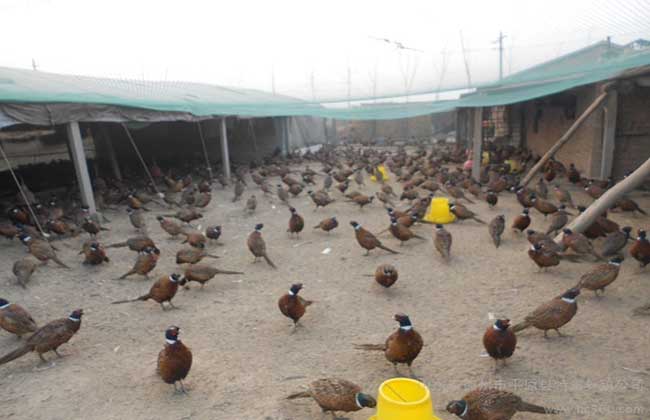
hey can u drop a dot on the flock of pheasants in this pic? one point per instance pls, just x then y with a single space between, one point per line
421 174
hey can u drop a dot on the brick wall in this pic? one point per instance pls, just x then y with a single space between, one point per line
632 130
584 148
420 127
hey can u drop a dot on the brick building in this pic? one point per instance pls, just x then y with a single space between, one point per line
612 141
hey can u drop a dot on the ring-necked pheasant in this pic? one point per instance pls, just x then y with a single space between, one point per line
493 404
15 319
163 290
499 341
402 346
293 306
48 338
553 314
174 360
257 246
367 240
332 394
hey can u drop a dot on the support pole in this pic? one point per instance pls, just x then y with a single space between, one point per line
477 143
225 155
607 200
286 124
566 137
78 157
110 152
609 135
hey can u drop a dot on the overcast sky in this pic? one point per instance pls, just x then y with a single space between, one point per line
310 46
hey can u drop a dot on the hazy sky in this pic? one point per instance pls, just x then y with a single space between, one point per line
244 43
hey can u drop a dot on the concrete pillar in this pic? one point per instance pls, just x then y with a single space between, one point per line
225 155
477 143
78 157
325 133
286 123
609 135
282 132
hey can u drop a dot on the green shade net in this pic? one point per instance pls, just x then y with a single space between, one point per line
601 61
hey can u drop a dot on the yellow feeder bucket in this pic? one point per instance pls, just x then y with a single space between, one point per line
404 399
384 173
515 167
439 212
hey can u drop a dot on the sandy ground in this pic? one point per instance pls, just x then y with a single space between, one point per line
246 361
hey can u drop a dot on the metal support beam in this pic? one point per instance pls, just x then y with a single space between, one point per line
225 155
609 135
78 157
110 152
477 143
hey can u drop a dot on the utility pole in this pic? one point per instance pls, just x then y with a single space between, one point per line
462 45
273 78
443 70
312 82
349 84
500 41
373 79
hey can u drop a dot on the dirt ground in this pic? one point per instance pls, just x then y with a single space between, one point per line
246 360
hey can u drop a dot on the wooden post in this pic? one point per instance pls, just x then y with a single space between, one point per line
78 157
607 200
477 143
225 155
565 137
609 135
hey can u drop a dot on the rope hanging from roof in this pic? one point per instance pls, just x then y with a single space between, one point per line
144 164
205 150
22 192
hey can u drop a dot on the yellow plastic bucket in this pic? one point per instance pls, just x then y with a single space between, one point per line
404 399
439 212
384 173
515 167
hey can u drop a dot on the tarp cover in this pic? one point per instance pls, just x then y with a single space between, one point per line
6 120
52 114
43 98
